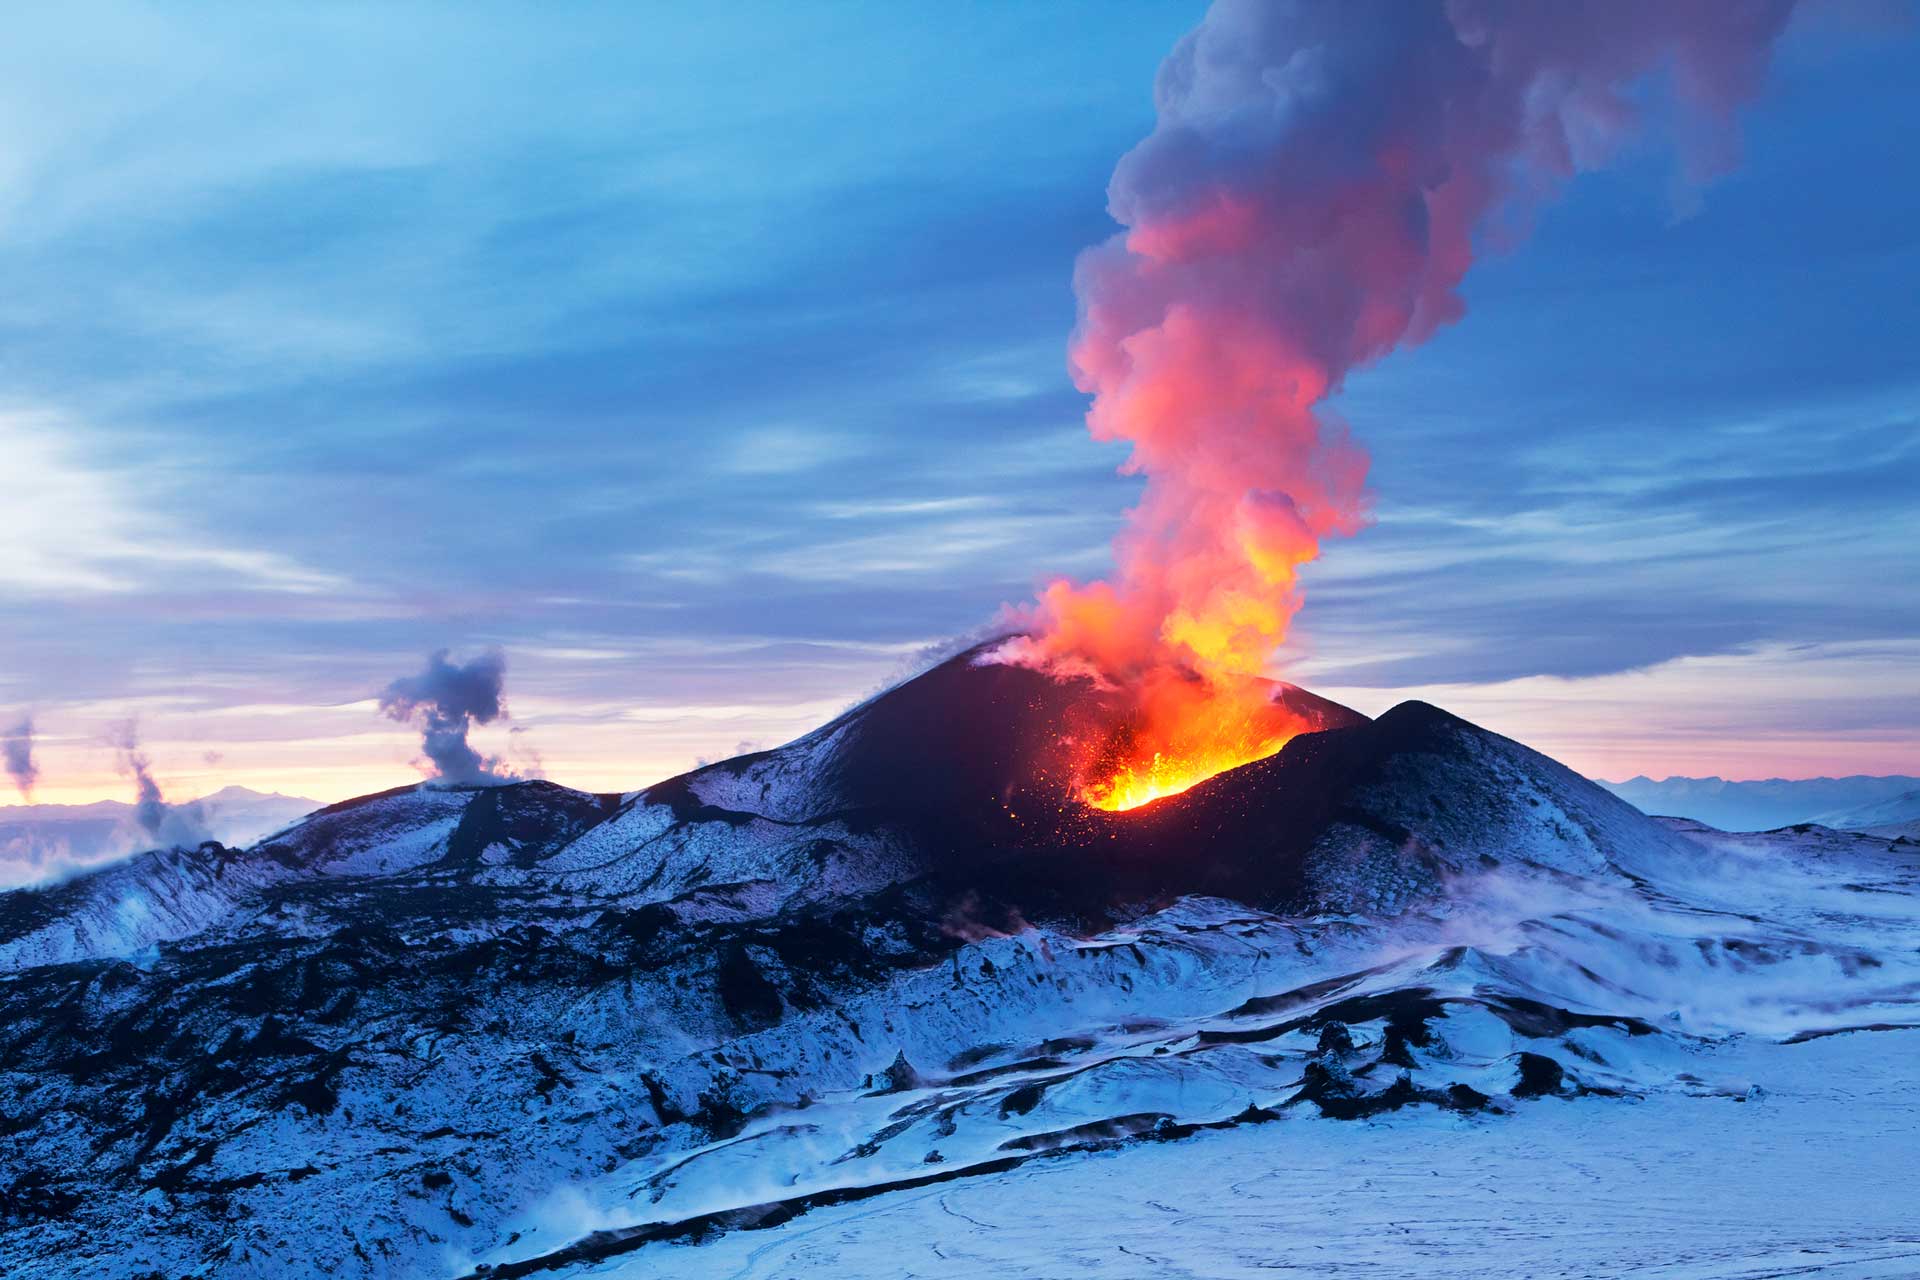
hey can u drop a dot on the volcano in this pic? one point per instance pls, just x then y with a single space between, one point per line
515 1029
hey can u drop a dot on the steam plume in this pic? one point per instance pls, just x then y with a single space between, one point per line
448 698
167 825
17 747
1308 202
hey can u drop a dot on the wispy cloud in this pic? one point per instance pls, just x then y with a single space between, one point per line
78 527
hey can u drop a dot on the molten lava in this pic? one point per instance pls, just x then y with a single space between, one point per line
1182 730
1132 786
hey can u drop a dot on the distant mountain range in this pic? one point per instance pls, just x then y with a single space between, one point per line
1899 816
1852 803
46 841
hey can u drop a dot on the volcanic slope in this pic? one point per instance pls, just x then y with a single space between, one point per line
525 1029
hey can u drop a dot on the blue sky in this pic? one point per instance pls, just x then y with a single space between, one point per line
710 363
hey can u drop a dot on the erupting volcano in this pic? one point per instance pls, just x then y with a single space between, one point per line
1308 202
686 368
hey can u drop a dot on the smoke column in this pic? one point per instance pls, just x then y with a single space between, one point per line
1310 200
149 805
447 698
171 825
17 747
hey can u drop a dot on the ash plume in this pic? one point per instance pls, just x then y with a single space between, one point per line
446 699
1320 180
176 826
17 748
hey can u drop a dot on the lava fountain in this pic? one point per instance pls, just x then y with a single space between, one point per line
1309 201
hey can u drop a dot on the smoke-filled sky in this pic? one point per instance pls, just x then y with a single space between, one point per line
709 365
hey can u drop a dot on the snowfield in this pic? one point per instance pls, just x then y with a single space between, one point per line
1805 1177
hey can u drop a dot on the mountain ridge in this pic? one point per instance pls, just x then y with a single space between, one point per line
1759 804
231 792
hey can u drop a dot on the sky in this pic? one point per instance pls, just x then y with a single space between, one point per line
708 362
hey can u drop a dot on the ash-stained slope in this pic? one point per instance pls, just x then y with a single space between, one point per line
528 1029
959 743
1368 818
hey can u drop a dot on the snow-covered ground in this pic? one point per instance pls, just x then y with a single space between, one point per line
1715 1117
1406 999
1815 1173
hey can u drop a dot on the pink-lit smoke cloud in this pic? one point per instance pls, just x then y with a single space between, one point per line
1321 178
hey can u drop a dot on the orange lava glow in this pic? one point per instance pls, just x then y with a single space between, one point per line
1184 729
1134 785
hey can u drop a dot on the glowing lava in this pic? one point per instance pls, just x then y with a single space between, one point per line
1131 787
1183 730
